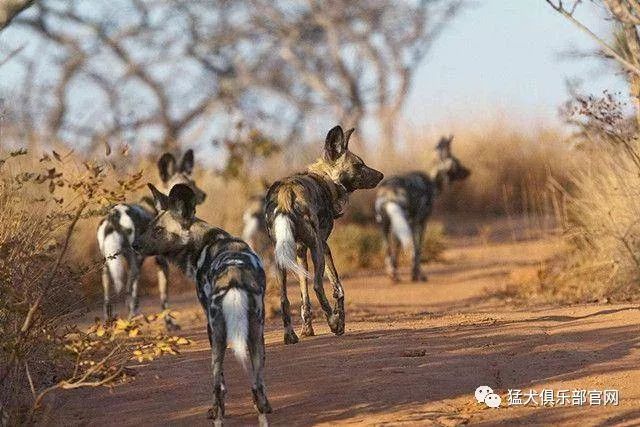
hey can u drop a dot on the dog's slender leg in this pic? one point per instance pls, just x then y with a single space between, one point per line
391 259
163 277
135 263
338 292
317 255
416 272
106 285
305 310
218 340
257 353
290 336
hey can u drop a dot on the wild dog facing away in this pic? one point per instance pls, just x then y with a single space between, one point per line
230 283
254 230
124 223
300 210
404 203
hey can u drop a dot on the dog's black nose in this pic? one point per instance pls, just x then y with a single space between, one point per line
135 246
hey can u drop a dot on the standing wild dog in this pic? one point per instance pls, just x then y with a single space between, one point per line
230 283
254 230
404 203
124 223
300 210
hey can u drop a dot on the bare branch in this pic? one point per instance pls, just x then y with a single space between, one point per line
568 14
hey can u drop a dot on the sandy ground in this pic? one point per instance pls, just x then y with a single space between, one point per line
412 354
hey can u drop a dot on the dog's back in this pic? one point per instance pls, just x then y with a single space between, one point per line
304 197
414 192
230 276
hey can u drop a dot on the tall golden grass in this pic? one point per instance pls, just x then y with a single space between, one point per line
601 223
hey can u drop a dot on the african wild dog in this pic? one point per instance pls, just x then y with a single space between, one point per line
124 223
254 231
404 203
300 210
230 283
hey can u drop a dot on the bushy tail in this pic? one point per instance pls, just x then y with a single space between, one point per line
251 226
111 248
235 309
399 225
285 252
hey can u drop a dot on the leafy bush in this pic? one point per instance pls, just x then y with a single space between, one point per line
41 202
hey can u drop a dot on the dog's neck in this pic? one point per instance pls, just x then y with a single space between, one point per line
339 193
201 235
148 205
439 177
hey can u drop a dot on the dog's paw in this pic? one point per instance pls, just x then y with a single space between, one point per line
336 323
290 337
307 331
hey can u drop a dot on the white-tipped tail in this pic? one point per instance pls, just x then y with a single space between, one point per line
111 247
399 225
235 309
285 252
251 226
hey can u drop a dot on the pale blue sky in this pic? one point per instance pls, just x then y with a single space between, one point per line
504 56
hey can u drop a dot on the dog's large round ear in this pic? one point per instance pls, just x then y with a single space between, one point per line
166 166
335 144
186 165
182 202
160 200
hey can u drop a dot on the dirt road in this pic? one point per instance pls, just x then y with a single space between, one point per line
412 354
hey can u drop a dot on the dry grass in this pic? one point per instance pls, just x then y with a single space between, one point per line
510 170
599 212
602 231
42 201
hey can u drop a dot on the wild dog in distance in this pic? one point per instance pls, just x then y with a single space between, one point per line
300 211
404 203
254 230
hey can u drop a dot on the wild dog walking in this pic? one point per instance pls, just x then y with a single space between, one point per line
300 210
124 223
230 283
404 203
254 230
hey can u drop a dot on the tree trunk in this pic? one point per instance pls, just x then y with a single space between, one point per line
388 120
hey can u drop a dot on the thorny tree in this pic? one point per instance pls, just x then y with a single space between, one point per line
178 71
624 49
